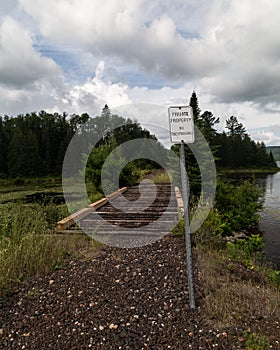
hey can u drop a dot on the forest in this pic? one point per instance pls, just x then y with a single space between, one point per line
34 144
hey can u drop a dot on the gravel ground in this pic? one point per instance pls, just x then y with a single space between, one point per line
119 299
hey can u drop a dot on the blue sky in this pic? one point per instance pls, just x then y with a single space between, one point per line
77 55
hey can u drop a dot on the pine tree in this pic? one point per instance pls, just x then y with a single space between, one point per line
207 122
234 127
195 106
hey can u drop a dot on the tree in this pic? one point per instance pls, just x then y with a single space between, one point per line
234 127
23 158
195 106
207 122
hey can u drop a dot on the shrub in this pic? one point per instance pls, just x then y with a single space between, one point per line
239 206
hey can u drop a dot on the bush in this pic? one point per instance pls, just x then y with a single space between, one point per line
117 171
239 206
248 250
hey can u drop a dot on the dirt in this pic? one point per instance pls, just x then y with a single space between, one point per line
118 299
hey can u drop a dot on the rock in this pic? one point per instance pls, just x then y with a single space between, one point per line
113 326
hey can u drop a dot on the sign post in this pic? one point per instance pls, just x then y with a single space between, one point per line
181 131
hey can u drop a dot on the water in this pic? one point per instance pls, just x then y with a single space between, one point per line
270 218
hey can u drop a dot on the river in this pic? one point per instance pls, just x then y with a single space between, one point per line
270 217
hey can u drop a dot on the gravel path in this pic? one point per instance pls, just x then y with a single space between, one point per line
119 299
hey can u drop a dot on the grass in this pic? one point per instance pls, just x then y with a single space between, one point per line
235 297
160 177
16 190
28 245
238 293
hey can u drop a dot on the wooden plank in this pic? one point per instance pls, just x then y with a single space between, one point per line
103 201
70 220
179 199
98 204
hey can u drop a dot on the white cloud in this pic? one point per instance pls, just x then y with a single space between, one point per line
18 100
235 58
97 92
228 51
121 29
20 64
246 40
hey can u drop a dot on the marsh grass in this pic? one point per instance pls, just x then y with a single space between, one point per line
28 245
161 177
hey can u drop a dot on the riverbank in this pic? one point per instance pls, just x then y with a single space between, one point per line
138 298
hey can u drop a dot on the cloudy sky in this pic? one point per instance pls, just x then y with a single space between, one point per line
77 55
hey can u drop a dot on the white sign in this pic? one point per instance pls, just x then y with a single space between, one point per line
181 125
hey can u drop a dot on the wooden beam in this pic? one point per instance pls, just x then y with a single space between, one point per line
70 220
180 202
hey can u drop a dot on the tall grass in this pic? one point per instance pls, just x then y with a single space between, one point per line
162 177
27 243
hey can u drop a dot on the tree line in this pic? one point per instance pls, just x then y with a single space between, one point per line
232 148
34 144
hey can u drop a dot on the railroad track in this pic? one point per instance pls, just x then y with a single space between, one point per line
130 217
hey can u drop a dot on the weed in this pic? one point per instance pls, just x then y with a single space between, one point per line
255 342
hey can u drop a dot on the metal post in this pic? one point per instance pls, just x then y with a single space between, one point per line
187 224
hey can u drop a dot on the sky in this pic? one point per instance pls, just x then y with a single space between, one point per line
75 56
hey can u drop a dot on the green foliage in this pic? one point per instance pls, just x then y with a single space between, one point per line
210 233
234 127
34 144
95 162
109 162
195 106
115 173
239 206
26 244
238 150
250 245
163 177
273 276
254 341
206 124
247 250
192 168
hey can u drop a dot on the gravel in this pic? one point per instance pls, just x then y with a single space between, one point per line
118 299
